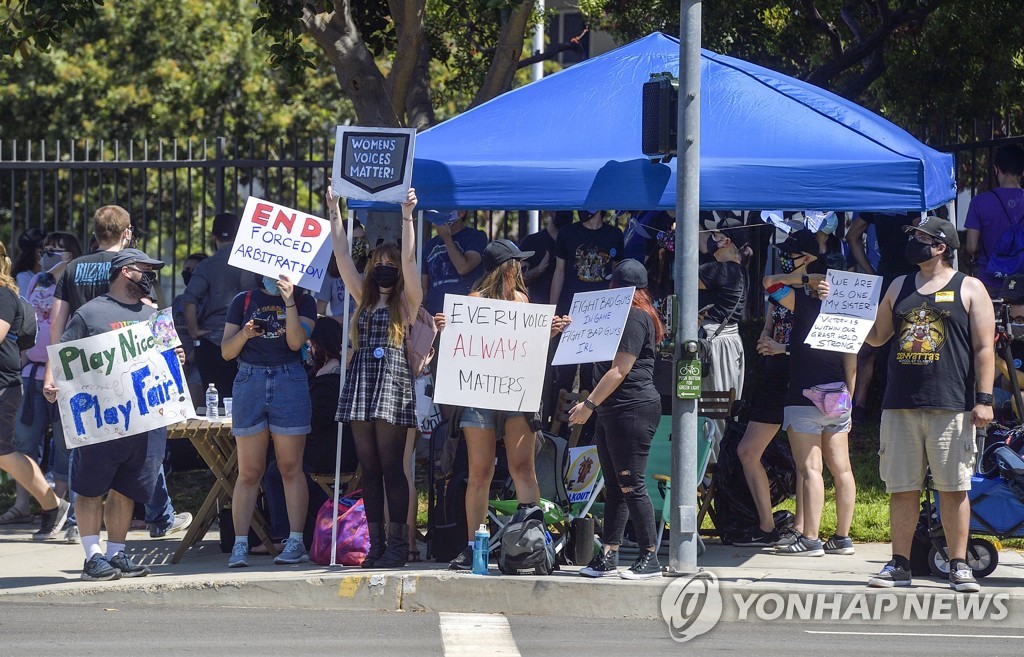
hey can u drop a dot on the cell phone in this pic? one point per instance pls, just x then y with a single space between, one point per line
261 323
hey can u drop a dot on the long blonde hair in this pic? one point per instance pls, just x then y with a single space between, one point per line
6 280
503 282
371 295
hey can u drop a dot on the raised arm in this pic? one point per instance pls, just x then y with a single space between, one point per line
410 272
855 238
346 266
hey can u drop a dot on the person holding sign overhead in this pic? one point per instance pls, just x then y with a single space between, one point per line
265 329
628 410
503 280
378 400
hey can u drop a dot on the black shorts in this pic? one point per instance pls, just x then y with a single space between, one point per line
769 396
122 465
10 402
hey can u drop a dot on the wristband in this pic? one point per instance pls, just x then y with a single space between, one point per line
291 306
589 404
779 294
787 349
983 398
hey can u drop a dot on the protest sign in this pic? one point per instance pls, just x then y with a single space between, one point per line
120 383
493 354
847 314
428 414
596 329
583 471
373 164
273 240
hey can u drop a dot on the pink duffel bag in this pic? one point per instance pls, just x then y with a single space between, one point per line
353 535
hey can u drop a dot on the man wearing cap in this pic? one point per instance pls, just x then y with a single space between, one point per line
213 285
941 368
126 469
452 261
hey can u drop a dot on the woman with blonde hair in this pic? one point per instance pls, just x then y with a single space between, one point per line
378 400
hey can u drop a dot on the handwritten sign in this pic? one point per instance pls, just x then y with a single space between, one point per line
847 314
373 164
493 354
273 239
584 468
120 383
597 322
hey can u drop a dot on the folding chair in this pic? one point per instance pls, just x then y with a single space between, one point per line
705 440
348 481
566 400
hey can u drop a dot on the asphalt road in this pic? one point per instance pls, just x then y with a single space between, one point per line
81 630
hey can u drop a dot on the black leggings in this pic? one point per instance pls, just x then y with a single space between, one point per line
381 449
623 444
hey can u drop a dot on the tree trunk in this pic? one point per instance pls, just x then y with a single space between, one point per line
419 110
506 55
408 18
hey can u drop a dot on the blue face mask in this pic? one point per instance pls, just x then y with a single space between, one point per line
830 224
270 285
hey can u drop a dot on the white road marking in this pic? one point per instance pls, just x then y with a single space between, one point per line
472 635
917 634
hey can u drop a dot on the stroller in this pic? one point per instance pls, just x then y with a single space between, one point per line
997 507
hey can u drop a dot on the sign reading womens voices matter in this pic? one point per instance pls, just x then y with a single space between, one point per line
847 314
273 239
373 164
493 354
120 383
596 329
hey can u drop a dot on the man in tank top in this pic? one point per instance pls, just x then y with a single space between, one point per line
941 369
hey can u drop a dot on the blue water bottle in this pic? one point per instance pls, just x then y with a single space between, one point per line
481 550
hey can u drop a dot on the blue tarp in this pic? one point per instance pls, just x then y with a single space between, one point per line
572 140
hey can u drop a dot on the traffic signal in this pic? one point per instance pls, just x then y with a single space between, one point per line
660 111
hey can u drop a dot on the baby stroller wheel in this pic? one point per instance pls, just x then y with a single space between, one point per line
982 557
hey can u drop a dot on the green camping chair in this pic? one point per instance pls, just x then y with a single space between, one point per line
660 461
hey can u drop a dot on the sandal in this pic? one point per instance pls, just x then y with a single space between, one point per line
15 516
414 557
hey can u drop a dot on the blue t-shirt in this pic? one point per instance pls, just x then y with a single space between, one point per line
271 348
442 276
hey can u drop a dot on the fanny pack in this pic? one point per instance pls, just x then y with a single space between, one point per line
832 399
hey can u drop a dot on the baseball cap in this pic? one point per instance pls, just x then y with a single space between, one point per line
31 239
500 251
800 241
225 225
939 229
126 257
629 272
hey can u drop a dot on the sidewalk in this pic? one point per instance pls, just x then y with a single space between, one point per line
50 572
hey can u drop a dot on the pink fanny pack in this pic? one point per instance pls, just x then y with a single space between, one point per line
832 399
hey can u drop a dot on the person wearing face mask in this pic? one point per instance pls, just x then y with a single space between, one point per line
378 399
125 470
28 263
333 296
941 371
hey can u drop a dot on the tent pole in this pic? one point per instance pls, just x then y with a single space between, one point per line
683 536
536 73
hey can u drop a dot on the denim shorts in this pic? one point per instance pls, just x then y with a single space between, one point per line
808 419
271 396
485 418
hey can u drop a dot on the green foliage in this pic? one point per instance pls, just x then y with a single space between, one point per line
28 24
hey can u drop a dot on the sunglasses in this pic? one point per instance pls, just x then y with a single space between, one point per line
52 252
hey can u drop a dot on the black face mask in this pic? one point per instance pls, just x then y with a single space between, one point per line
712 245
385 275
186 276
917 252
145 284
787 265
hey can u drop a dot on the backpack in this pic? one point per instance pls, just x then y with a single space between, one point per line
419 342
526 545
23 332
1008 257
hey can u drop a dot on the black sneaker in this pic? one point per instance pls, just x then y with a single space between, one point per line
646 566
53 522
602 565
891 575
758 538
462 562
802 547
98 569
128 568
962 579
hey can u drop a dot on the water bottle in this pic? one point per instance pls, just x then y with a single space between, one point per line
481 550
212 401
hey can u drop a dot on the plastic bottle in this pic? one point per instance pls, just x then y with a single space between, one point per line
481 550
212 401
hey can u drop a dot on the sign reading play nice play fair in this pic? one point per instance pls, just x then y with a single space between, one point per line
493 353
373 164
273 239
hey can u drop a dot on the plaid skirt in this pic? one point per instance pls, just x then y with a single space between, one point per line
378 388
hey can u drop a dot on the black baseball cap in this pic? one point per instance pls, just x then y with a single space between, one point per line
500 251
225 225
126 257
800 241
629 272
938 228
30 239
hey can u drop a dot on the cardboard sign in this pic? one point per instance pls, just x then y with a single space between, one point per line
597 322
493 354
373 164
847 314
273 239
428 414
120 383
584 468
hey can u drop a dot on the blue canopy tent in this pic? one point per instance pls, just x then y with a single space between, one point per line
572 140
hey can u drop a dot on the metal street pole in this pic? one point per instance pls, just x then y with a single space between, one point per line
683 537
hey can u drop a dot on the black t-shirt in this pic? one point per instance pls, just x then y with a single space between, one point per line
892 241
271 348
589 256
540 243
10 355
637 388
84 279
727 285
809 367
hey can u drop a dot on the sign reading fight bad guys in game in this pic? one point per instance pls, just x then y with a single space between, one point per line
273 239
595 332
848 312
373 164
493 353
120 383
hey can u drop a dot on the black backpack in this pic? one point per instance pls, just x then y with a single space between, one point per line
23 328
526 546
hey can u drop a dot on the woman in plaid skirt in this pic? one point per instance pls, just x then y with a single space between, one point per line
378 400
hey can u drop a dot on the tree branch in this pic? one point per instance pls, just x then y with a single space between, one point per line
408 18
814 16
506 54
419 110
